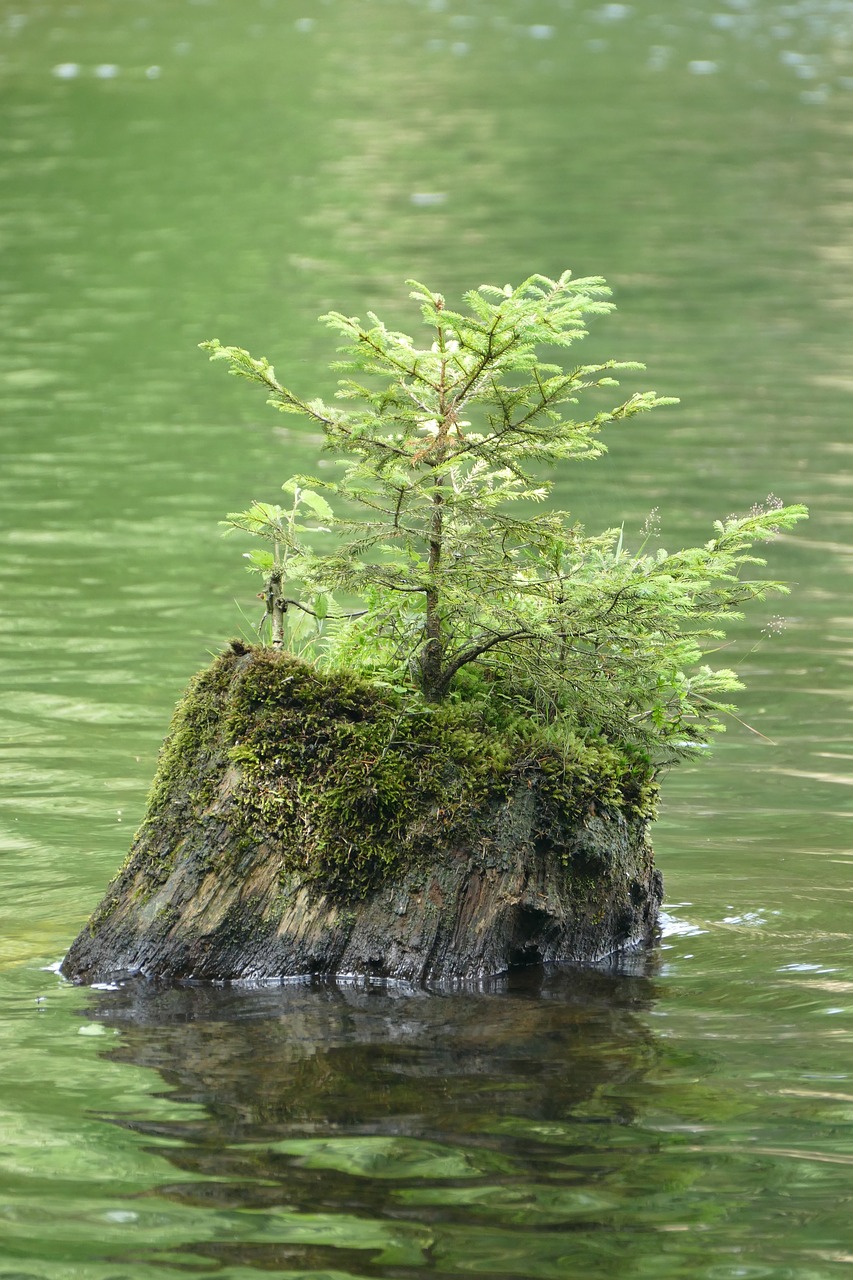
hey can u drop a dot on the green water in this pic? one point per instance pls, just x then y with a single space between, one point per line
176 171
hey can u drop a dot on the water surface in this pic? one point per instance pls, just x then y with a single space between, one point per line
178 171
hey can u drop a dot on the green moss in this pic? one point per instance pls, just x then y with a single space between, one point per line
191 752
345 781
101 914
167 916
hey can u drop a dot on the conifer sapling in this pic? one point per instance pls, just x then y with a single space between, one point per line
465 589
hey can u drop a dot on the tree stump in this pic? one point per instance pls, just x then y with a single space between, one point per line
304 822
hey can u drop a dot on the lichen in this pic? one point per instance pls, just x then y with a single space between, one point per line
346 782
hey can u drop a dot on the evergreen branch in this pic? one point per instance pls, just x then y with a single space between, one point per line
476 651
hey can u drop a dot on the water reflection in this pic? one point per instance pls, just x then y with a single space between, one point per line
381 1128
587 1123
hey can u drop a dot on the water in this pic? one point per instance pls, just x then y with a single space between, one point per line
174 172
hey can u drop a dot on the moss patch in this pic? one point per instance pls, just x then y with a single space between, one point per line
346 782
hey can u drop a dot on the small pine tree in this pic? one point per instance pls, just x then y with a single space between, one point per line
464 587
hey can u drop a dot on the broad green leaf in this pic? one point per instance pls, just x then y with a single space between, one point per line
317 503
263 561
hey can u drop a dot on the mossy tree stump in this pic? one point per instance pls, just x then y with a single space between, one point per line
305 822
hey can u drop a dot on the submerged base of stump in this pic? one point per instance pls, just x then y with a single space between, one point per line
309 823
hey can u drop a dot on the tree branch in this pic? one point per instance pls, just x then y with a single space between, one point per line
477 650
297 604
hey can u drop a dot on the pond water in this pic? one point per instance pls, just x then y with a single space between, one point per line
177 171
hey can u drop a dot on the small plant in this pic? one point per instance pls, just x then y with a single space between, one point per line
466 591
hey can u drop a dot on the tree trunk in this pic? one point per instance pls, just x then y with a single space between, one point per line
276 610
